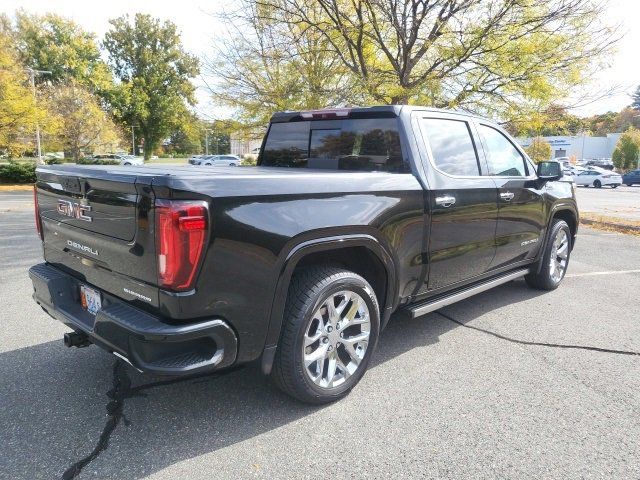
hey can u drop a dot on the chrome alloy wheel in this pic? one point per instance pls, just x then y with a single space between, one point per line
559 256
336 339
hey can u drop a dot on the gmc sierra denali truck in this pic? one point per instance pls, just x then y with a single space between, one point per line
350 215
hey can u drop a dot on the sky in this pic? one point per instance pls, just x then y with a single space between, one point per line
199 27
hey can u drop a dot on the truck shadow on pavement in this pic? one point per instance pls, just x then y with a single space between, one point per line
64 410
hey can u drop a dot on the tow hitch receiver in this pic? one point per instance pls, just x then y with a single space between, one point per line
76 339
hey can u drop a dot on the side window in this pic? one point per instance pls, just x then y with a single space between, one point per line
502 157
451 146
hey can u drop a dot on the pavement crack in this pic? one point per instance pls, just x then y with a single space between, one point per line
119 392
539 344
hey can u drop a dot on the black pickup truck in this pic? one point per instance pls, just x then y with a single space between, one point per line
350 215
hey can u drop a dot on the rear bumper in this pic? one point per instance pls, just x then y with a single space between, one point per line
145 341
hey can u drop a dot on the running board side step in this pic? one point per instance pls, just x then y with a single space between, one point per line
431 305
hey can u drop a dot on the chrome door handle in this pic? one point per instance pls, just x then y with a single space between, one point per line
507 196
445 201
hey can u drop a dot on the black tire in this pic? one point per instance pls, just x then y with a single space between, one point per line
309 289
597 184
232 164
629 184
614 186
543 279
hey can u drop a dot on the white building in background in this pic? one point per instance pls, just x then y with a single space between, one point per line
243 144
578 146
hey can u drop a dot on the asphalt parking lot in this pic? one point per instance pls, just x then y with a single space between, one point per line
491 389
619 203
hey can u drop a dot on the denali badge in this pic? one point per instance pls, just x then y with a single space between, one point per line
74 210
83 248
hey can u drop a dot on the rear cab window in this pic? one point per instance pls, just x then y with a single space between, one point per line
371 145
452 148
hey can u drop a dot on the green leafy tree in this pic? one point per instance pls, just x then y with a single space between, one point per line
627 153
59 45
539 150
154 74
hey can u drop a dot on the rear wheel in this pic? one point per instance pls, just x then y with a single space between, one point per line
330 330
555 258
629 184
597 184
614 186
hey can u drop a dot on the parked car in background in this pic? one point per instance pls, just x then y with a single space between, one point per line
217 161
123 159
598 178
605 163
631 178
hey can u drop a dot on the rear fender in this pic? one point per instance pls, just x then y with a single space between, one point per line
314 246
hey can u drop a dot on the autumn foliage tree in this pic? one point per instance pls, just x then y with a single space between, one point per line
539 150
19 111
85 128
501 58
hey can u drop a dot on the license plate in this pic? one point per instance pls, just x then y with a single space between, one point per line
90 299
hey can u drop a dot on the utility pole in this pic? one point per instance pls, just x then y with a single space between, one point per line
133 140
206 142
32 80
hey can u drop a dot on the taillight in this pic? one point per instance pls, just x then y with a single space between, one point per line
37 213
181 232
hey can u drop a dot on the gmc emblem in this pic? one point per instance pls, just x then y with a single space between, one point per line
74 210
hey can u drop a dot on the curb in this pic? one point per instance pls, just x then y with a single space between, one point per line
16 187
611 225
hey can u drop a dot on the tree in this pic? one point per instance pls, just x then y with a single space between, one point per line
84 126
553 120
499 57
539 150
636 99
627 153
19 111
59 45
264 66
154 73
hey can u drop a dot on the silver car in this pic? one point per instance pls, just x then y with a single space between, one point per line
219 161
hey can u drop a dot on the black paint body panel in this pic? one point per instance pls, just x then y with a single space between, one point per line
264 219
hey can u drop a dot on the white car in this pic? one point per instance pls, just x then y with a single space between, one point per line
123 159
218 161
598 178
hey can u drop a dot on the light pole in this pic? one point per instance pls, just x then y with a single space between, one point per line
32 80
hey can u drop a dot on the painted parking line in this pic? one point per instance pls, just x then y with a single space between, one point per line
610 272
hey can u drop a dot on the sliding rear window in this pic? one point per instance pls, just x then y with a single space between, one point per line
355 145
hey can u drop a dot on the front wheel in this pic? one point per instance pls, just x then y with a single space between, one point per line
555 258
330 330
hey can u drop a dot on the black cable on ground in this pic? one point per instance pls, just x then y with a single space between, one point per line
539 344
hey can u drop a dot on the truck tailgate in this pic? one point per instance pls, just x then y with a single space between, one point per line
96 225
